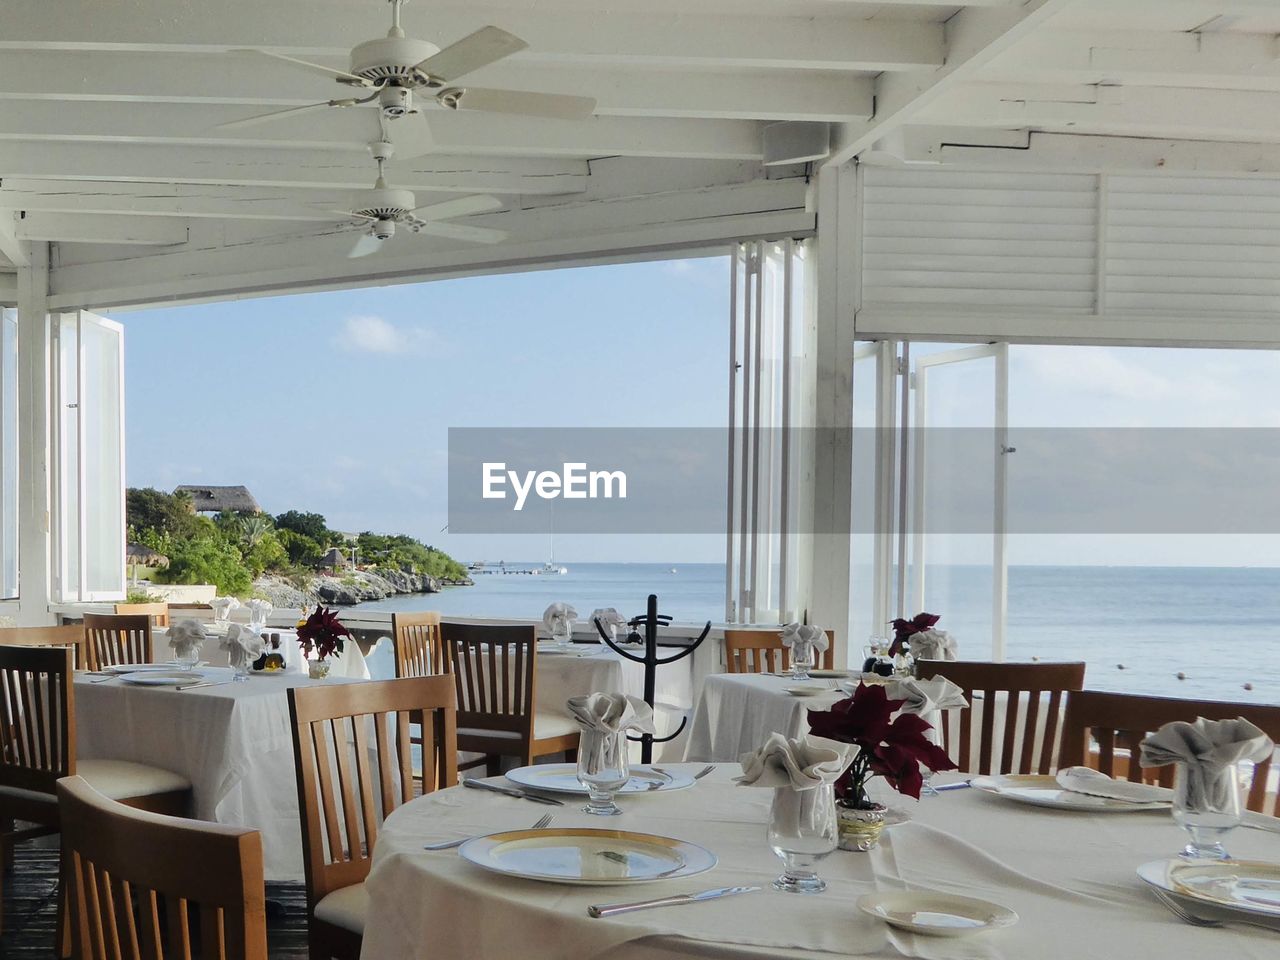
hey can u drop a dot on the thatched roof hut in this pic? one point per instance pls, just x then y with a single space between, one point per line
220 499
144 556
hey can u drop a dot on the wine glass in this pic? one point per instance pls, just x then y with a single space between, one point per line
1206 803
803 829
801 659
603 769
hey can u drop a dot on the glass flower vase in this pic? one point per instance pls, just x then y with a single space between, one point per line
1207 805
802 831
317 669
603 769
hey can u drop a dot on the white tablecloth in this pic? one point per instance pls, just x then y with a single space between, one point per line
232 741
737 712
1069 876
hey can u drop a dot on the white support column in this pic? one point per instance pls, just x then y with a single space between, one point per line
33 437
836 291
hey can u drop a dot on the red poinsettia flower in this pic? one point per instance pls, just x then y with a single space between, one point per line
322 631
903 629
888 746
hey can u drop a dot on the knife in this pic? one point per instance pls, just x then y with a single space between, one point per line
511 792
202 683
612 909
959 785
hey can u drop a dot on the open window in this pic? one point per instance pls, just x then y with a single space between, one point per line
88 444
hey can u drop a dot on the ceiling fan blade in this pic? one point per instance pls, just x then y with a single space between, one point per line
487 45
461 207
460 231
366 245
263 117
521 102
342 75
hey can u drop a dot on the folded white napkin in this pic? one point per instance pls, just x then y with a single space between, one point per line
259 610
1210 750
186 637
242 645
559 619
222 606
1095 783
610 619
794 633
932 645
612 713
802 764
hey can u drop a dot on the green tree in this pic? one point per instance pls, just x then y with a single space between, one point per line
265 553
207 560
158 519
404 552
301 549
310 525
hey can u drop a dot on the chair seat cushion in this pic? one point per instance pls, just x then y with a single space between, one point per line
345 908
545 725
115 780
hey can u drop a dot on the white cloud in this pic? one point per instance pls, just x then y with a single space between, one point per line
368 333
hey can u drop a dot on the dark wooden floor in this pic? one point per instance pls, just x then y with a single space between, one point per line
30 891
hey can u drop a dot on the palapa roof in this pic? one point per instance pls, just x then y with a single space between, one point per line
218 499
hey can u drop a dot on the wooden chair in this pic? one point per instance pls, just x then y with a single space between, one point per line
133 873
494 668
760 651
337 732
158 612
71 635
117 638
985 684
420 650
38 748
1118 722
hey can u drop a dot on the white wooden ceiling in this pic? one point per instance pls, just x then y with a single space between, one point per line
109 145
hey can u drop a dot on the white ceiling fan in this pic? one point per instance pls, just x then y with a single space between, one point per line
378 211
391 69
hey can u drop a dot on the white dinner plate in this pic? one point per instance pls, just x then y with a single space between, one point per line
936 914
154 678
1044 791
563 778
556 649
806 691
140 667
582 855
832 674
1242 886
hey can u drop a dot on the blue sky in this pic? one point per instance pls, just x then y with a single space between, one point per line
340 402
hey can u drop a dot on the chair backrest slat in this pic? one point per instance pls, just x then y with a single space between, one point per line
418 645
339 733
985 684
124 878
37 717
494 669
760 651
1122 720
114 639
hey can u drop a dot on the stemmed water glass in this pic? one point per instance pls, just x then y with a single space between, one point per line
603 769
803 829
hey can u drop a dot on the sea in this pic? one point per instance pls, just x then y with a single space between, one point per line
1202 632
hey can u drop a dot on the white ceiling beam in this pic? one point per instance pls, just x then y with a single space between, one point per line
348 130
1122 111
748 42
100 228
11 247
974 37
1225 60
91 77
1057 152
142 163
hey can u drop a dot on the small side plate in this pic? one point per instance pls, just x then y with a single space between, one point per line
805 691
1044 791
936 914
154 678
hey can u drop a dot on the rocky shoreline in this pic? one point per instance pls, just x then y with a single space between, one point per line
348 588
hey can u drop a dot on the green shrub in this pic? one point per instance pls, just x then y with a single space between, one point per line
311 525
299 548
207 560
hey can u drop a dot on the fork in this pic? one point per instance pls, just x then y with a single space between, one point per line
1176 909
543 822
704 771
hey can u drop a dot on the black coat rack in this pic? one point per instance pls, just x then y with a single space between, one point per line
651 621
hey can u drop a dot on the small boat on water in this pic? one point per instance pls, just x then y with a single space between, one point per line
552 569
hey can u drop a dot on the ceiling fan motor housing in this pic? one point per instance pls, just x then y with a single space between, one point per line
384 203
394 60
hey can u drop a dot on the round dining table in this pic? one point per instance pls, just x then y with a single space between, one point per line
1070 876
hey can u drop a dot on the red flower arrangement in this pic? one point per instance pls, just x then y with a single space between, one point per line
323 632
904 629
893 749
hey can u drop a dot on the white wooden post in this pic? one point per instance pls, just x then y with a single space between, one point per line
836 288
33 437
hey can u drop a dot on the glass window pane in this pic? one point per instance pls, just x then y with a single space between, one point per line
8 454
103 453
